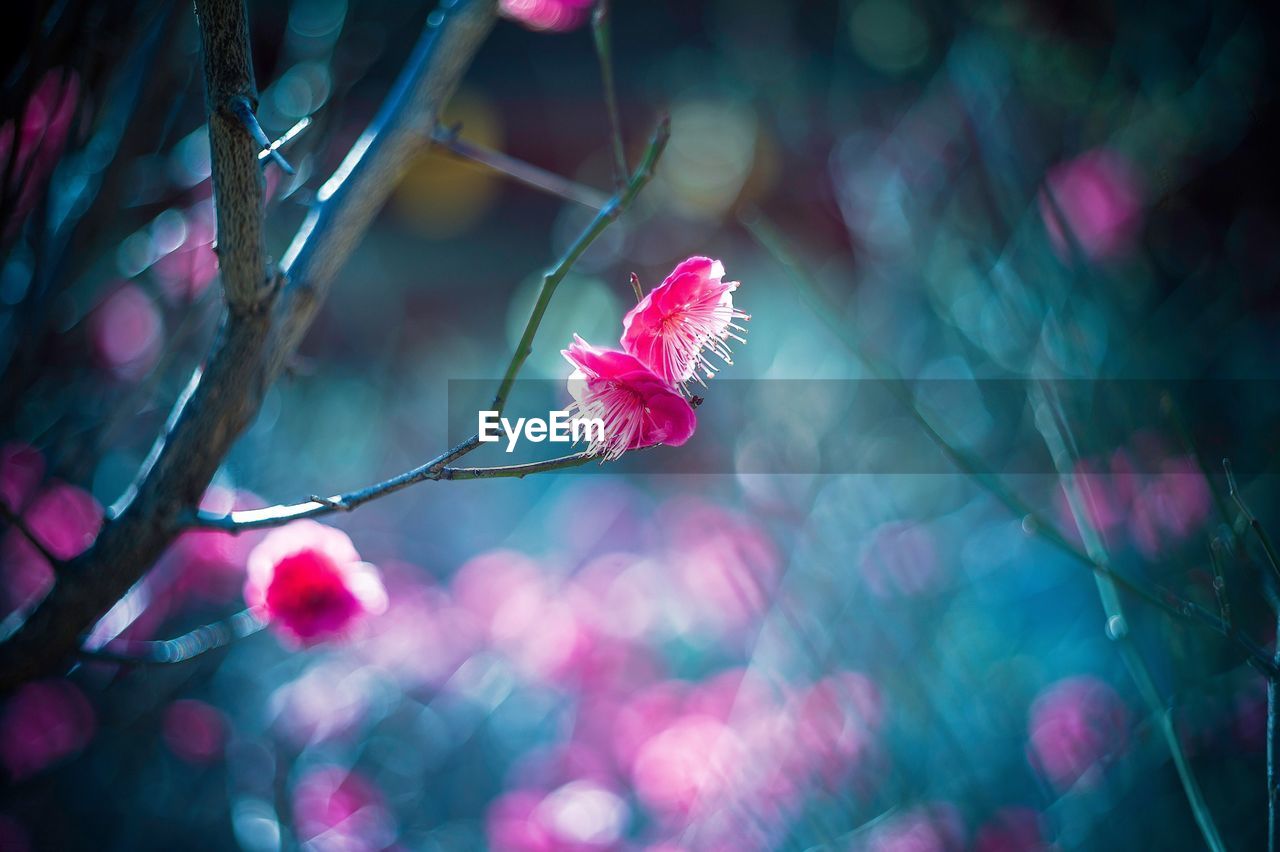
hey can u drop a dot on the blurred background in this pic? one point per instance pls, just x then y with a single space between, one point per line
764 653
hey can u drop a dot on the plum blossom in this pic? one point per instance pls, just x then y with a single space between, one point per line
639 408
308 581
688 315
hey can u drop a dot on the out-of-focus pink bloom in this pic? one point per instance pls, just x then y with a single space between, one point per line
126 331
46 122
836 724
510 824
42 723
1075 724
66 520
522 613
21 471
726 566
638 408
210 564
425 634
582 815
579 816
693 764
340 810
194 731
328 701
900 558
308 581
1012 830
688 315
1158 510
548 15
1099 196
931 828
1171 506
186 262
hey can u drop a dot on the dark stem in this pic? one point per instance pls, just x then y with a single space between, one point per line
604 52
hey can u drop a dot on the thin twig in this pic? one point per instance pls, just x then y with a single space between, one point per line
519 471
243 111
1051 421
1273 683
273 516
519 171
636 288
1265 540
553 276
600 31
19 523
182 648
1220 582
273 150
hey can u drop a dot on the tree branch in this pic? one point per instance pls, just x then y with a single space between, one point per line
604 52
231 96
253 346
437 469
180 649
520 171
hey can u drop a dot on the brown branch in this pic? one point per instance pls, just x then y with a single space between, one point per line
253 346
231 96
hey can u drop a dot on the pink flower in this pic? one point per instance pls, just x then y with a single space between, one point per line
639 409
1075 724
337 809
688 315
549 15
1100 199
43 723
308 580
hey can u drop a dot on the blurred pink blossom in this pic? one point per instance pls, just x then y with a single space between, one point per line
194 731
1075 725
549 15
929 828
341 810
43 722
692 764
127 332
900 558
1015 829
579 816
688 315
726 566
639 409
836 721
1099 196
21 471
186 271
46 120
66 520
308 581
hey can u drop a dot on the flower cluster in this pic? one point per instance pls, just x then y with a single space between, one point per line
639 392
